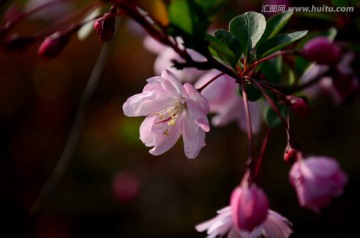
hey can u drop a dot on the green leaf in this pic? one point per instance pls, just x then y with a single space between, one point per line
248 28
272 69
210 7
187 20
277 43
271 118
230 40
219 49
340 3
274 24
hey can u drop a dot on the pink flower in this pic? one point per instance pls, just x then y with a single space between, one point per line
275 226
167 54
171 110
226 103
343 84
317 180
250 207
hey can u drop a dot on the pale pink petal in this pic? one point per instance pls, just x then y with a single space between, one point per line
193 137
164 141
153 45
146 135
197 108
175 83
255 115
276 226
145 103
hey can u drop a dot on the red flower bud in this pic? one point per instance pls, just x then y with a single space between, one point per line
290 155
321 50
249 207
105 26
53 45
298 105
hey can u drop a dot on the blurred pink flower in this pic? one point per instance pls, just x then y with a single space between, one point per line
53 11
249 207
126 186
171 110
275 226
317 180
225 101
321 50
167 54
343 84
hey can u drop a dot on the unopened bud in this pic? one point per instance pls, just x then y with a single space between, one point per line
53 45
298 105
321 50
290 155
16 42
105 26
249 207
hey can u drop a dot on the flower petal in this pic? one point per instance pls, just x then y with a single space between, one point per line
145 103
193 137
164 140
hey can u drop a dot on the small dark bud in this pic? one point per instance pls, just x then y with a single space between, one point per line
290 155
53 45
16 42
322 51
298 105
105 26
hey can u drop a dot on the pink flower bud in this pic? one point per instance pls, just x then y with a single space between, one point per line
249 207
321 50
53 45
317 180
298 105
105 26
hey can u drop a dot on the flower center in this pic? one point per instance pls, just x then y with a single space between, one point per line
168 116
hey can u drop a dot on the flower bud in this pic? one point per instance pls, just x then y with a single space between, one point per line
290 155
321 50
53 45
105 26
317 180
16 42
298 105
249 207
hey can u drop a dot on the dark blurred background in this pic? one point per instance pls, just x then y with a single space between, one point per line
113 187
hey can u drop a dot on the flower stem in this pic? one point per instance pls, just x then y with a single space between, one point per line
250 160
262 152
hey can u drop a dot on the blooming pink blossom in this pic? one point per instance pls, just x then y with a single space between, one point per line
317 180
249 207
275 226
167 54
171 110
226 103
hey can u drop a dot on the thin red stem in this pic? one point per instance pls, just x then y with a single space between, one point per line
274 107
250 161
262 152
212 80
